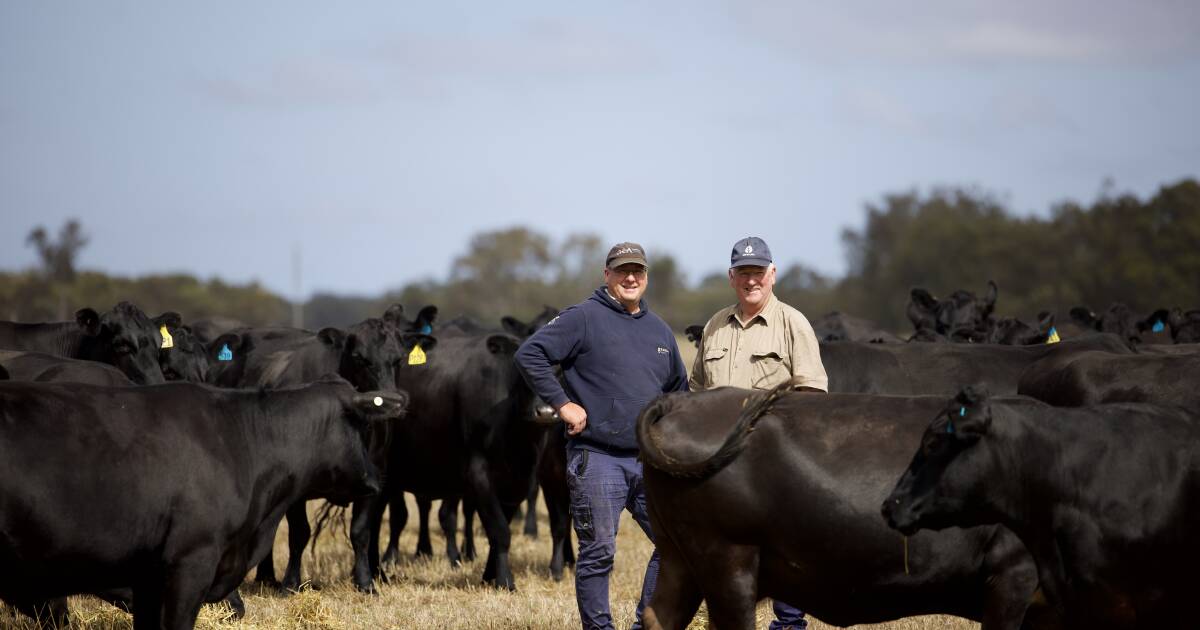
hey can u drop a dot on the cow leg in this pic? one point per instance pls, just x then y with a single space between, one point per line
235 603
299 533
1011 586
50 614
558 507
148 603
468 546
424 543
366 519
397 519
265 574
495 524
448 519
676 595
183 593
730 585
531 524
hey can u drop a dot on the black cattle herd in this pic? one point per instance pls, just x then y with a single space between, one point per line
149 462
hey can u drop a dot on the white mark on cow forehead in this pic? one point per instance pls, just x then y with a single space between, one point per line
378 401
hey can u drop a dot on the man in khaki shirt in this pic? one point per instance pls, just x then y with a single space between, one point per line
759 343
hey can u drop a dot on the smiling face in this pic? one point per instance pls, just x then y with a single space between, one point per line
627 283
753 286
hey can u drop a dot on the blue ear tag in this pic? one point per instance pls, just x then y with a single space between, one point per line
225 354
426 329
1158 326
962 412
949 426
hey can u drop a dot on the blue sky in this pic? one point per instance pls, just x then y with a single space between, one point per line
378 137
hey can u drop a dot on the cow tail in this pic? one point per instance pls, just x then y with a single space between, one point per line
755 407
328 515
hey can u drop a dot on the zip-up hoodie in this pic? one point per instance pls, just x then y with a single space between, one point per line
613 364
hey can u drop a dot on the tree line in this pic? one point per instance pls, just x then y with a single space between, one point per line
1118 248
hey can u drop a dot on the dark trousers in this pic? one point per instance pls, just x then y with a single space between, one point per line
601 486
787 616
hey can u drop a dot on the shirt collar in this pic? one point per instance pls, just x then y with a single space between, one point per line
764 315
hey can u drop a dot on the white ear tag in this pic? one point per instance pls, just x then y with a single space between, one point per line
378 401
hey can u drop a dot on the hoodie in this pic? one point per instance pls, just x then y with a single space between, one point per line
613 364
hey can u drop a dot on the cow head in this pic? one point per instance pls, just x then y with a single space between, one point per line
1122 321
1185 327
1010 331
186 359
522 330
948 472
348 471
371 351
423 323
125 338
962 316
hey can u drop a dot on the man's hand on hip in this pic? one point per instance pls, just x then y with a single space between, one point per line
575 417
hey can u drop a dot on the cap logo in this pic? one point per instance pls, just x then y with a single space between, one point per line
628 250
749 249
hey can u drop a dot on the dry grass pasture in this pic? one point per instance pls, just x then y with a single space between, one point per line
427 593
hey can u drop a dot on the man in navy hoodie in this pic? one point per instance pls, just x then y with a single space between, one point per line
615 356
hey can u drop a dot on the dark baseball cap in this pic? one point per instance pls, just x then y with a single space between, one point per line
750 251
623 253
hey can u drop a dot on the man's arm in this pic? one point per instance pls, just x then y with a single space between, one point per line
678 382
808 373
698 381
552 344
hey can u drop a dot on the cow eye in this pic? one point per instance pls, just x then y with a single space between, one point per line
123 348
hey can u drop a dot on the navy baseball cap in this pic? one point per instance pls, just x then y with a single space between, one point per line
750 251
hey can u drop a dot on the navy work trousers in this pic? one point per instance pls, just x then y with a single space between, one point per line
601 486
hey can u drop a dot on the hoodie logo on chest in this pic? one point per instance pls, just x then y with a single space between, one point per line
662 350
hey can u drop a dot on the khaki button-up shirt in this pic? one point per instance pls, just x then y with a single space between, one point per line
776 345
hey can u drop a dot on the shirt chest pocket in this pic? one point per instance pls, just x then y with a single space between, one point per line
714 359
768 369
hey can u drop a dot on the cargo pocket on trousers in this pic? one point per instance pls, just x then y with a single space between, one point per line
581 508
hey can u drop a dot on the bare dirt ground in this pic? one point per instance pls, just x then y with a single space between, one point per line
429 593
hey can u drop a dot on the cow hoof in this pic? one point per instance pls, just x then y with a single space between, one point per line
368 589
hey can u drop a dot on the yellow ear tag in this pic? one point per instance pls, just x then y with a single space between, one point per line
417 356
1053 338
168 340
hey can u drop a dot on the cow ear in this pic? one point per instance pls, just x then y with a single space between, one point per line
921 307
969 412
88 320
513 326
694 333
425 318
1155 322
1084 317
170 319
990 299
225 347
502 344
1045 321
408 341
394 315
332 337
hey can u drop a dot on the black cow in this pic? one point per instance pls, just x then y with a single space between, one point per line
1104 497
468 436
1010 331
366 354
550 475
960 317
1121 320
776 494
173 491
1091 378
123 337
1185 327
48 368
836 326
186 358
942 369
